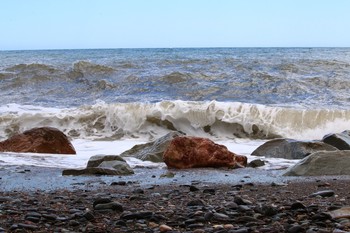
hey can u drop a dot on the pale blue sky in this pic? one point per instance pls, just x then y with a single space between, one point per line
69 24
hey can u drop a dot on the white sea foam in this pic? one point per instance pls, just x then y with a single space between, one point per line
87 148
147 121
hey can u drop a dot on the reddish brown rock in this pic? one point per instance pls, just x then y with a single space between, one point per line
39 140
192 152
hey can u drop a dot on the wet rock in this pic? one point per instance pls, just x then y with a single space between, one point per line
297 205
51 217
220 217
291 149
192 152
193 188
340 213
102 165
39 140
165 228
322 163
97 160
338 140
115 206
296 229
197 202
92 171
152 151
137 215
121 183
256 163
209 191
89 215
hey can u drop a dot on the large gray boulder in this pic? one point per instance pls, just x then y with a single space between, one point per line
322 163
338 140
152 151
290 148
102 165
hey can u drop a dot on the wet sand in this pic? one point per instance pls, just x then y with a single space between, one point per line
26 178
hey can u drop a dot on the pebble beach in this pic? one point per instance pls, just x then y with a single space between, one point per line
242 200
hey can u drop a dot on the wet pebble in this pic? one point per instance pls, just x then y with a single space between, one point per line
324 193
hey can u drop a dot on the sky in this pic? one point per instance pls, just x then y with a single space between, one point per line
84 24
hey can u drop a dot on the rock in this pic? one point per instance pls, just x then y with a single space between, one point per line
197 202
102 165
152 151
338 140
322 163
296 229
96 160
297 205
340 213
137 215
256 163
115 206
291 149
39 140
323 193
164 228
91 171
192 152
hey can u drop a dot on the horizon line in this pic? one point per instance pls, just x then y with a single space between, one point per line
199 47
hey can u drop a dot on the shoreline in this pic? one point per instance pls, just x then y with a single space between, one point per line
29 178
237 201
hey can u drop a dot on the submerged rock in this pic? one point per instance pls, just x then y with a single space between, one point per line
291 149
192 152
322 163
338 140
39 140
152 151
102 165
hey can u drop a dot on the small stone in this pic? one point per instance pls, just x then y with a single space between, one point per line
137 215
89 215
197 202
165 228
340 213
193 188
110 206
220 217
27 226
297 205
138 191
153 225
50 217
242 230
228 226
324 193
256 163
101 201
209 191
120 183
296 229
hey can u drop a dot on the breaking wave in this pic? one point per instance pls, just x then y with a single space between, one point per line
222 120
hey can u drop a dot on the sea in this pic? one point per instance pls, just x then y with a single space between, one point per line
108 100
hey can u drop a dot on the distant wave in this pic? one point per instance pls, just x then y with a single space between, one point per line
222 120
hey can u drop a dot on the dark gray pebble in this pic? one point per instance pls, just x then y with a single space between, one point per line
296 229
109 206
197 202
137 215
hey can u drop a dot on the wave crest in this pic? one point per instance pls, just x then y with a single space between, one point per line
152 120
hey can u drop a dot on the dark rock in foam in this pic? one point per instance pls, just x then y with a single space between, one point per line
291 149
